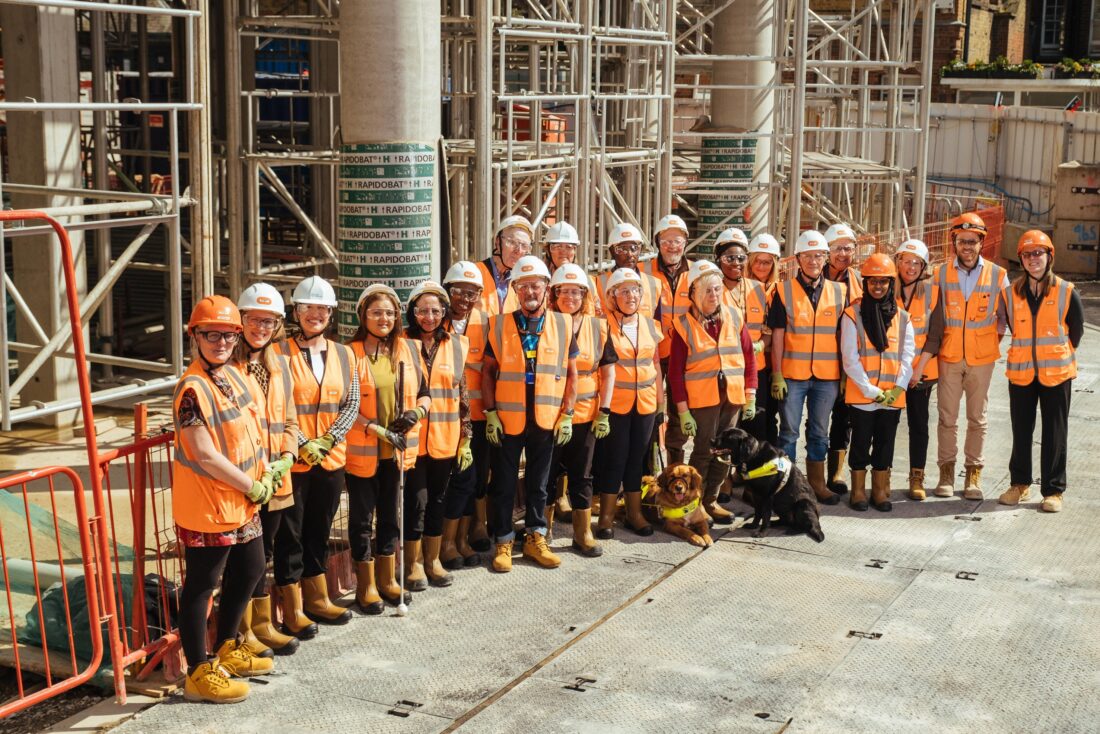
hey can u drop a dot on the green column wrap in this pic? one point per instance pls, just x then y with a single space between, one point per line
725 160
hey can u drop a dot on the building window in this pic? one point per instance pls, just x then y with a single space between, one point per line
1094 30
1052 30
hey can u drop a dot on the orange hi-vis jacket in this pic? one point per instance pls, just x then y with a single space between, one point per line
707 357
273 411
671 306
591 339
551 371
490 301
811 343
636 370
1040 346
440 429
852 279
970 325
199 501
651 294
318 404
362 460
477 325
926 295
882 368
755 313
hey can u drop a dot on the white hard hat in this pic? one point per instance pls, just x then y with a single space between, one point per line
464 271
672 221
699 268
839 232
516 220
914 247
429 286
765 243
374 288
315 290
529 266
731 235
625 232
261 297
563 232
569 274
811 241
620 276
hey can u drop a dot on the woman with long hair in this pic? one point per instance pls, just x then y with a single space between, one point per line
762 266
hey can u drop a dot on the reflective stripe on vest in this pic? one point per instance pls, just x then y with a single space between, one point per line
272 410
476 336
706 357
651 294
318 404
970 325
882 368
490 301
363 452
636 370
591 338
440 430
810 341
1040 344
551 367
670 307
926 295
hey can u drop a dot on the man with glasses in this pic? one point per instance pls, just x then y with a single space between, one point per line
842 249
626 246
974 322
562 243
512 241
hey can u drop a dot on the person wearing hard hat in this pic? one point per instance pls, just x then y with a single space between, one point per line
596 358
974 322
636 403
805 320
528 388
918 294
712 370
445 433
1047 321
876 344
220 480
384 363
326 397
842 249
463 284
511 242
626 245
762 267
562 243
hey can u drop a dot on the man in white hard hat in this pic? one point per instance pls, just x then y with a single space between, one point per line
626 245
511 242
562 242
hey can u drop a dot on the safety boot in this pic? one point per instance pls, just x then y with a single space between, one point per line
815 474
595 507
479 535
1015 494
240 663
972 490
858 499
502 561
605 530
634 518
437 575
916 485
535 548
946 486
835 472
208 683
265 631
469 556
448 549
249 639
366 591
318 606
583 540
295 622
880 490
563 505
385 568
415 578
550 520
1051 503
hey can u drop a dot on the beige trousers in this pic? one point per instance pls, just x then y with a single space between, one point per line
958 379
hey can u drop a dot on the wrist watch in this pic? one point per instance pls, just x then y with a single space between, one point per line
567 412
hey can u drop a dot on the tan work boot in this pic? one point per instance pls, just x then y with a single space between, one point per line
595 505
1051 503
295 622
880 490
385 578
366 591
550 520
972 490
563 505
858 499
437 575
946 486
479 535
637 522
835 472
415 578
249 639
1015 494
916 485
448 550
815 474
583 540
240 663
265 631
470 557
535 548
207 683
502 561
318 606
605 530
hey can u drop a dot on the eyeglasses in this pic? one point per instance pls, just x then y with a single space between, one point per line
434 313
381 313
313 308
262 323
673 242
569 247
843 249
213 337
628 290
570 292
633 249
731 259
515 244
968 242
817 256
1033 255
883 282
466 294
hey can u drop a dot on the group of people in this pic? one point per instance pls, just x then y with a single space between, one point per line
424 415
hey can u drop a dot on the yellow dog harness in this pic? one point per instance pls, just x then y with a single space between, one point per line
672 513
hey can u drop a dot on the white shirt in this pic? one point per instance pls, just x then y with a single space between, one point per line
968 280
459 325
853 367
630 331
317 363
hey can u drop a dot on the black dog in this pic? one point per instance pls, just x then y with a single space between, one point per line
780 487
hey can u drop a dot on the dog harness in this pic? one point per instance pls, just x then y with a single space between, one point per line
673 513
780 465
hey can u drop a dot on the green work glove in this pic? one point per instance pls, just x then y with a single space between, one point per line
779 386
493 427
465 455
280 467
688 426
881 397
262 490
315 450
892 395
758 347
602 425
748 412
563 431
397 440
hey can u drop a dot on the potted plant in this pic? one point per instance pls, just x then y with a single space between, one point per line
957 68
1030 69
1069 68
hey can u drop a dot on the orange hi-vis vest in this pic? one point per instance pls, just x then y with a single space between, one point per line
671 308
590 309
490 301
362 459
926 295
199 501
1040 345
755 310
272 412
810 340
591 339
651 294
477 324
440 429
970 325
882 368
636 370
318 404
851 278
708 357
551 370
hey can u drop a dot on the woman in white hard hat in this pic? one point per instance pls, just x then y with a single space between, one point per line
636 403
763 267
326 398
842 250
562 243
445 432
712 370
511 242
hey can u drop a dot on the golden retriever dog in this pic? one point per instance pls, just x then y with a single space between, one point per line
675 498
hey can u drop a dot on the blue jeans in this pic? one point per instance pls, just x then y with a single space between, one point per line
819 396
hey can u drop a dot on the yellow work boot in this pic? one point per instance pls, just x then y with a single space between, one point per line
470 557
248 637
502 561
479 536
1051 503
437 575
1015 494
815 474
295 621
637 522
366 591
605 530
563 505
858 499
385 578
318 606
535 548
240 663
264 629
208 683
595 505
835 472
972 490
583 539
415 578
916 485
880 490
448 550
946 486
550 520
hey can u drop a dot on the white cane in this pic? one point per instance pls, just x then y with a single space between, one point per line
402 607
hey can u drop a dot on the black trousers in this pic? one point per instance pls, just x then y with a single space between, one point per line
475 480
367 495
1053 402
873 433
430 478
237 567
301 545
840 427
270 521
765 425
574 459
619 455
916 417
539 447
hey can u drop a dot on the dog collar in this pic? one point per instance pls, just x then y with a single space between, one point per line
675 513
780 465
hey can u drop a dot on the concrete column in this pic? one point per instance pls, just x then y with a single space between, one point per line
388 213
40 59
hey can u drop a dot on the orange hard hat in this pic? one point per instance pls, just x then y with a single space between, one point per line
1034 238
215 311
878 265
969 221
